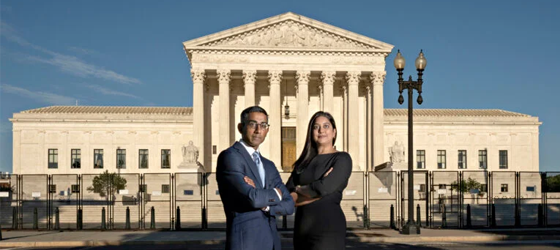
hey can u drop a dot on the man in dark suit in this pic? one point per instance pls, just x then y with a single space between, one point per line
251 188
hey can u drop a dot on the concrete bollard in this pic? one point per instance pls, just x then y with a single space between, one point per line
103 221
56 219
35 219
392 222
444 217
418 218
127 224
178 219
469 222
153 217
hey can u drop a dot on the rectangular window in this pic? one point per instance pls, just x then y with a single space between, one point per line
462 159
422 188
482 159
441 186
165 158
504 188
143 158
164 189
76 158
483 187
531 188
441 159
98 158
121 158
420 159
503 159
53 158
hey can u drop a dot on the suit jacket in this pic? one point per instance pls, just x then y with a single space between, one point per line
248 226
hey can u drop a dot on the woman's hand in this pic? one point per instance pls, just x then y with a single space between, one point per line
249 181
294 196
302 200
328 172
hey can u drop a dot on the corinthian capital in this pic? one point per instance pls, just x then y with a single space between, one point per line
275 76
198 75
353 77
378 77
302 77
249 76
328 77
223 75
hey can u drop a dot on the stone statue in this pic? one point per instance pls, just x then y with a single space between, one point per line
397 152
190 156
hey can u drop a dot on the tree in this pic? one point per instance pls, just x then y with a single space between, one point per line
553 183
107 183
466 186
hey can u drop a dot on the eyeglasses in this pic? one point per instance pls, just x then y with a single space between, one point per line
254 125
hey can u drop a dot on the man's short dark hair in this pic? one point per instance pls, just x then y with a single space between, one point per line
247 111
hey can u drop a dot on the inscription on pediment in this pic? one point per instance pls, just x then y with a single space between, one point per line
290 34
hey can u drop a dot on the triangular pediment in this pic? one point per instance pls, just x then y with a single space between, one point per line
288 31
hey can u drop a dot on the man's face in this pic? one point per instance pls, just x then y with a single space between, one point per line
253 132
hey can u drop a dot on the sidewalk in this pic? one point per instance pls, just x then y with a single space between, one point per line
113 238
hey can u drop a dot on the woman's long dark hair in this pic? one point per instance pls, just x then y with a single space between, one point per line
310 149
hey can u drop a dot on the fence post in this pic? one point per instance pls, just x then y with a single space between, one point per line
493 216
56 219
392 222
469 222
35 219
366 217
444 217
153 218
178 219
14 218
517 216
540 215
80 219
418 218
127 224
103 222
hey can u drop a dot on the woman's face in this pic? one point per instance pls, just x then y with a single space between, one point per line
323 131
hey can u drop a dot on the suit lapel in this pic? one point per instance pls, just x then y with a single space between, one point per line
250 163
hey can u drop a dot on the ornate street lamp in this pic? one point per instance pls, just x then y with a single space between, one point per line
286 107
411 227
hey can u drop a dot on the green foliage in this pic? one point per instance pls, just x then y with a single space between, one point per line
553 183
466 186
107 183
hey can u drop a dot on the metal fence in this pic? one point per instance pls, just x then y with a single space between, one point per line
191 201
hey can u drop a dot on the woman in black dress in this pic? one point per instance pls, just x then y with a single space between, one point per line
320 175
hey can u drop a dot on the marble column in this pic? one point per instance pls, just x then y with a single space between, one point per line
353 79
302 77
328 78
369 129
16 154
225 126
377 79
198 77
275 118
249 78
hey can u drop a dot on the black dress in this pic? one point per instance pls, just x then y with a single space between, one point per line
321 225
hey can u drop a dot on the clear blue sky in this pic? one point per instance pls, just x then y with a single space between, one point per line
499 54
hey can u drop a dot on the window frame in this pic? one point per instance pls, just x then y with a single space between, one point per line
421 158
506 186
462 159
96 153
146 153
121 153
503 159
483 159
75 155
441 159
52 158
166 152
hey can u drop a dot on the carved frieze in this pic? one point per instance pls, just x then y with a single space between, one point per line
289 34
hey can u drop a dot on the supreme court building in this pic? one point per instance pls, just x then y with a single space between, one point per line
292 66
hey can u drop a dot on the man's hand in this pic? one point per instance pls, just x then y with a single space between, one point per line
328 172
249 181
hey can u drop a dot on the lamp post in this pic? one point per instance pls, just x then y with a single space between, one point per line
411 227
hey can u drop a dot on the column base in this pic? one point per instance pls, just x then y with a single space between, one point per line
410 228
